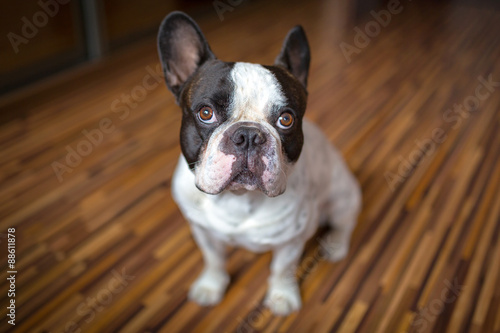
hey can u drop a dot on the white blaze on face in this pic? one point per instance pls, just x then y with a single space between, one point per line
257 92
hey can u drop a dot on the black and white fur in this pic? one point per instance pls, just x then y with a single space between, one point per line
243 180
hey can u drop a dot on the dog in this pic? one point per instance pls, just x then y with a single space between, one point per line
253 172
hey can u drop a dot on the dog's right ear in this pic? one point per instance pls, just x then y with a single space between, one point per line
182 49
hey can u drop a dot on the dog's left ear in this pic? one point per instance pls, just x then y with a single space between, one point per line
182 49
295 55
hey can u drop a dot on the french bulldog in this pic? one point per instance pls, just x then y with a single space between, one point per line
253 172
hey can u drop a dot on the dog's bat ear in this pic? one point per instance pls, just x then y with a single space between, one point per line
295 55
182 49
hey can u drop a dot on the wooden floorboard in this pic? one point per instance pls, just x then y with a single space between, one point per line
425 255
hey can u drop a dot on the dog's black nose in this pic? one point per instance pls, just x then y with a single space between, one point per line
247 137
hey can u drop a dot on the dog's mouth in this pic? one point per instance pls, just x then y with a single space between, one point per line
252 171
245 179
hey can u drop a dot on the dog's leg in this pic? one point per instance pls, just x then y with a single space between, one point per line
345 206
210 286
283 295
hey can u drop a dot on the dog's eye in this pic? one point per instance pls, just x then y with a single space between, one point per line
206 115
285 121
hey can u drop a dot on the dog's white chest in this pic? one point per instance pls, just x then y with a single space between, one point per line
258 224
251 219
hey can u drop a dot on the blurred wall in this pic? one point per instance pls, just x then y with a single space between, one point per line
42 37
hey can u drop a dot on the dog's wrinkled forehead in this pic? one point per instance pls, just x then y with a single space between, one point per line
257 92
240 91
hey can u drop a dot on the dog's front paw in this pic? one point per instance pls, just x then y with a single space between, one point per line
283 300
209 288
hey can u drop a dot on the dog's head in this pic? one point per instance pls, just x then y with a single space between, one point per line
242 123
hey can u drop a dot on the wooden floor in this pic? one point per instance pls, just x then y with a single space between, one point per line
425 255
